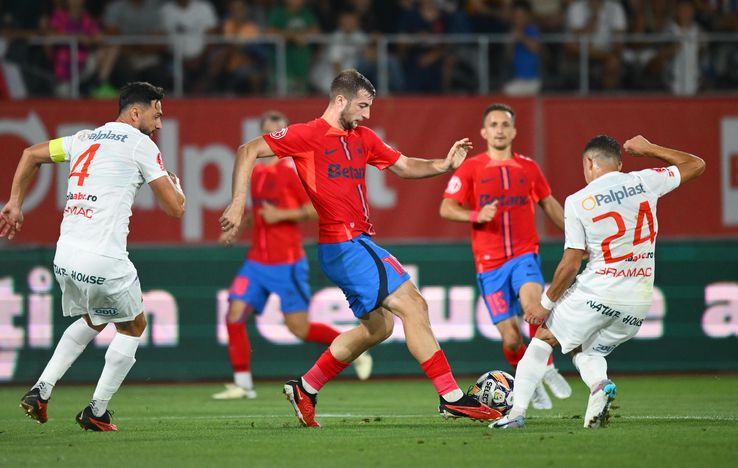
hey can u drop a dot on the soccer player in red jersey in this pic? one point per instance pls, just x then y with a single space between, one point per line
331 154
496 191
275 264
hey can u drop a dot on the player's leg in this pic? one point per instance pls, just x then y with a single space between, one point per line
408 304
118 300
74 340
72 343
239 353
529 294
498 288
374 328
246 295
590 361
119 359
527 377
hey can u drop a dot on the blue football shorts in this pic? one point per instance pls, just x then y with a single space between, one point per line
255 281
500 287
365 272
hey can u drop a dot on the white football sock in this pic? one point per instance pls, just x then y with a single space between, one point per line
453 396
119 359
592 368
528 374
243 380
74 340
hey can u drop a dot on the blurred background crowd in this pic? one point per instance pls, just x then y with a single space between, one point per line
232 47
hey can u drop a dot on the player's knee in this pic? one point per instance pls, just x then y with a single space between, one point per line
300 330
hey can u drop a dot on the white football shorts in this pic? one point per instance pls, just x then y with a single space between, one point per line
105 288
596 326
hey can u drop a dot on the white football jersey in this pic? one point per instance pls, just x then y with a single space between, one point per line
107 167
614 219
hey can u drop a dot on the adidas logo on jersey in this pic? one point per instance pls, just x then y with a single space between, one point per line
618 196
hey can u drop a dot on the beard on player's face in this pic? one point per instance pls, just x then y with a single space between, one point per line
347 120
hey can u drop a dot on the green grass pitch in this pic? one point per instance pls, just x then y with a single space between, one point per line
659 421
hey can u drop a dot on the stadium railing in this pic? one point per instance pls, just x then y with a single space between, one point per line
475 45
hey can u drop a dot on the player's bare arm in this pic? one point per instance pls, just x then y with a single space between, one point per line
565 273
273 215
553 210
11 216
454 211
419 168
242 168
689 165
169 195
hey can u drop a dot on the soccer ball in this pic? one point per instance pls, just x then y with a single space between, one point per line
494 389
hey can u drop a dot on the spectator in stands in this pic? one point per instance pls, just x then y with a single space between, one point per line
240 68
684 67
70 18
644 61
294 21
605 21
427 66
345 49
526 77
489 16
188 22
135 61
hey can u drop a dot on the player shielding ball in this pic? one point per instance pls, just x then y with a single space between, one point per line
98 281
497 192
614 220
275 264
331 154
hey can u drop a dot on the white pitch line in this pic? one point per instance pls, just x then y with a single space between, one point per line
399 416
408 416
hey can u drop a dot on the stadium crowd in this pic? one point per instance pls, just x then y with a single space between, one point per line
541 51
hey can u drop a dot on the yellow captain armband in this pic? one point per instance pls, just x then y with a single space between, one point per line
56 151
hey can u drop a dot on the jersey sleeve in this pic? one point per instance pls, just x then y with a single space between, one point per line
459 187
575 237
289 141
660 180
379 153
148 159
60 149
539 188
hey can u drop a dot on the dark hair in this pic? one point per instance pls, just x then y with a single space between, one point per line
139 92
498 106
272 115
603 146
348 83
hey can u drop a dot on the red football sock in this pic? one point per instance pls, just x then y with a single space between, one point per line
321 333
239 347
533 329
325 369
439 373
514 357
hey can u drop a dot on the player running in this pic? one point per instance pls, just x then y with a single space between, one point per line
275 264
496 192
614 220
98 281
331 154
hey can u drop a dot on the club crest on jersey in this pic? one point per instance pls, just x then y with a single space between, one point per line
617 196
454 185
279 133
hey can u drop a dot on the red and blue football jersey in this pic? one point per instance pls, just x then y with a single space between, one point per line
279 186
517 184
332 164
